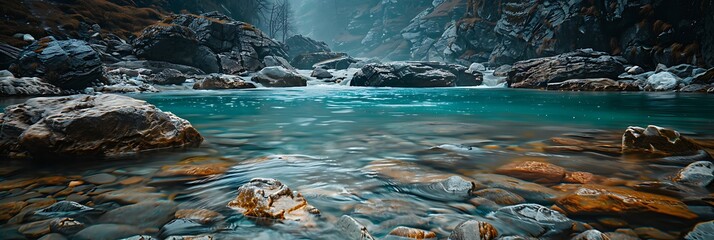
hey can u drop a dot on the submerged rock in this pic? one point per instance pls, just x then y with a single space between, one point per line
539 172
535 220
218 82
85 125
532 192
269 198
68 64
66 209
415 74
66 226
352 229
203 216
602 200
698 174
474 230
656 139
279 77
144 214
411 233
580 64
107 232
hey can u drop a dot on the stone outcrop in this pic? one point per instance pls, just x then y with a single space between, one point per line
27 86
299 44
90 126
415 74
217 82
211 42
68 64
593 84
279 77
584 63
308 60
269 198
654 139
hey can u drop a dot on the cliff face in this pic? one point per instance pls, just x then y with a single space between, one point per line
646 32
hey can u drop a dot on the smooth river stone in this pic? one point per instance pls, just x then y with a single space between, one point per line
591 234
10 209
534 219
657 140
21 183
703 231
539 172
66 226
144 214
532 192
500 196
194 170
130 195
269 198
101 178
36 229
53 236
604 200
200 215
410 233
474 230
107 232
352 229
698 174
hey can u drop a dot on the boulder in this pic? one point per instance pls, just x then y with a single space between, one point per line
663 81
321 73
299 44
602 200
352 229
27 86
218 82
68 64
411 233
168 77
308 60
654 139
160 42
591 234
698 174
144 214
8 55
107 232
704 78
275 61
279 77
415 74
539 172
532 192
86 125
580 64
535 220
337 63
269 198
593 84
474 230
156 66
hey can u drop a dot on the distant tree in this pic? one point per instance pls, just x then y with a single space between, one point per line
280 22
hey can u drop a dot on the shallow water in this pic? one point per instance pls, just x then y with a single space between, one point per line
326 141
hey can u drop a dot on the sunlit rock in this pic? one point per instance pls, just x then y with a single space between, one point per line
702 231
534 219
474 230
279 77
411 233
656 139
269 198
352 229
698 174
539 172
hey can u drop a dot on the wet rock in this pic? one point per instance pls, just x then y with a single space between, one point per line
168 77
156 66
602 200
656 139
140 237
532 192
653 233
279 77
500 196
698 174
477 67
84 125
705 77
27 86
63 209
535 220
321 73
101 178
579 177
591 235
663 81
43 181
352 229
53 236
593 84
580 64
341 63
275 61
308 60
10 209
203 216
68 64
130 195
218 82
143 214
66 226
411 233
502 71
269 198
415 74
635 70
159 42
132 180
107 232
539 172
452 188
703 231
36 229
182 227
474 230
299 44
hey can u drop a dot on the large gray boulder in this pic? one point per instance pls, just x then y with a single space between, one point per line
68 64
580 64
299 44
27 86
104 125
415 74
279 77
217 82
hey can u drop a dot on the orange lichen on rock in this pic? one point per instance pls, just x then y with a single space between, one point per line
540 172
269 198
412 233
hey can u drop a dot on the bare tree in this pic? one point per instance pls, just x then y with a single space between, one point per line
280 19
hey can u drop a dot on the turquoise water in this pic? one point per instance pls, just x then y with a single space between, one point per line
325 141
